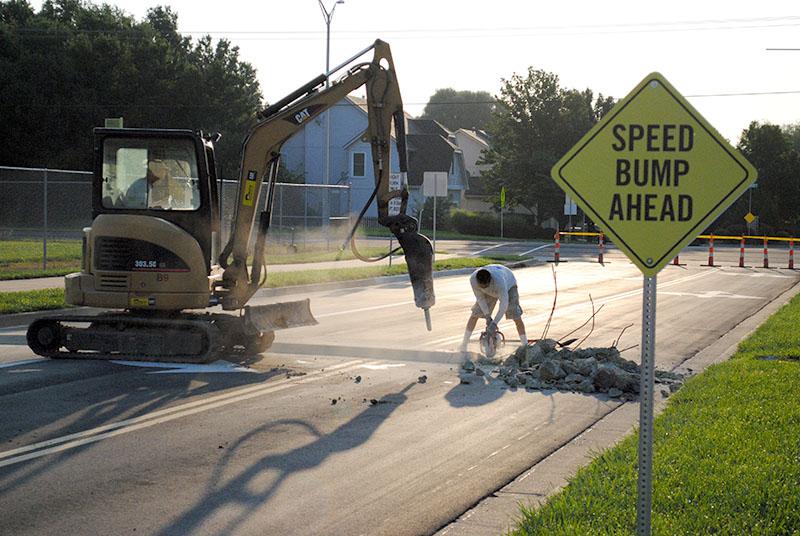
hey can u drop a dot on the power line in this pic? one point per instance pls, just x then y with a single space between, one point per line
446 103
469 32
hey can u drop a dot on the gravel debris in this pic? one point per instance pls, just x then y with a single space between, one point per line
542 365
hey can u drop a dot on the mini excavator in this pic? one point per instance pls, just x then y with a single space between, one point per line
149 255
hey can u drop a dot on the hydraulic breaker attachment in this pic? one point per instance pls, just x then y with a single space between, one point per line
419 259
275 316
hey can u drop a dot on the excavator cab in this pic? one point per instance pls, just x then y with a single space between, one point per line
155 218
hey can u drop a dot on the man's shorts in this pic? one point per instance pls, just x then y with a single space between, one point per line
514 310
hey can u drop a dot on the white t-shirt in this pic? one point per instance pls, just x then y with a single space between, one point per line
502 280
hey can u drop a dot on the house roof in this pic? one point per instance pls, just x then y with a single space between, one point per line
426 126
427 152
479 136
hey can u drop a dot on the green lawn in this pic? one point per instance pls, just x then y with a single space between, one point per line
726 453
22 259
31 300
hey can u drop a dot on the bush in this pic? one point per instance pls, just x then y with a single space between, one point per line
487 224
443 209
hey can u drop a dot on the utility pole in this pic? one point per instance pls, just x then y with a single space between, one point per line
328 16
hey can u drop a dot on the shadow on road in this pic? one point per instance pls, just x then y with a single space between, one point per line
62 397
474 390
246 489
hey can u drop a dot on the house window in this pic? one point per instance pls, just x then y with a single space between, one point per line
359 164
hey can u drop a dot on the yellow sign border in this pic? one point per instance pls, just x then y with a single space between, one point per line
654 265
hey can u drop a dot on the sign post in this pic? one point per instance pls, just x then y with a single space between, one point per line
653 174
434 184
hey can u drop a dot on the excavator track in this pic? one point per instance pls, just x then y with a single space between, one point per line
182 338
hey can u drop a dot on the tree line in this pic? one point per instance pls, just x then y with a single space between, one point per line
534 120
72 64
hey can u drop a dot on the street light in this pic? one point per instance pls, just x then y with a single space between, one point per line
328 16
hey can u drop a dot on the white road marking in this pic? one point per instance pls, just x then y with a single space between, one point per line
713 294
384 366
22 362
218 366
756 274
373 308
535 249
490 247
70 441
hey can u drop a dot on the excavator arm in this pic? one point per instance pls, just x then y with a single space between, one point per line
259 166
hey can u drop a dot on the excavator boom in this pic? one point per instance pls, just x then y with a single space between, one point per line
259 166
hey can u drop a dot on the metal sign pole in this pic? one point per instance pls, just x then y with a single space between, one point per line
645 483
435 198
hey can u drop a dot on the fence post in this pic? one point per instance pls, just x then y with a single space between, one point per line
601 246
305 216
766 252
44 235
791 254
280 211
350 204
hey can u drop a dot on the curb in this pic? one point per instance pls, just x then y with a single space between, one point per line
498 512
23 319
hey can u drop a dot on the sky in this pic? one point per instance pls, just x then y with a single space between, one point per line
715 53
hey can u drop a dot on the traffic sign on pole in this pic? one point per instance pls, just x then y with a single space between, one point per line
653 174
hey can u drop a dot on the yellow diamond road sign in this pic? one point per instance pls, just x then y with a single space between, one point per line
653 174
749 217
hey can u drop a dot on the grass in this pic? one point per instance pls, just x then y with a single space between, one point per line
38 300
451 235
22 259
726 453
305 277
31 300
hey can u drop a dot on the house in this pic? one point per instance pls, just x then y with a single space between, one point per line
431 147
350 152
473 143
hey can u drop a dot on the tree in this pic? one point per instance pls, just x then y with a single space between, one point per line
536 123
72 64
460 109
773 152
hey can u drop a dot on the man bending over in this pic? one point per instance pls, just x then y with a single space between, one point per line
491 283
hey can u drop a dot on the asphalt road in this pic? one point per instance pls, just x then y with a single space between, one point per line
333 431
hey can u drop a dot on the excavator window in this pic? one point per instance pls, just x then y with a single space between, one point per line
150 174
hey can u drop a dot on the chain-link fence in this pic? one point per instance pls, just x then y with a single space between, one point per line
43 212
302 214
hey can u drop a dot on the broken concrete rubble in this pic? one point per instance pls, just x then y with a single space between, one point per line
542 365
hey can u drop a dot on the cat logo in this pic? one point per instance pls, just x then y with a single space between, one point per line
301 116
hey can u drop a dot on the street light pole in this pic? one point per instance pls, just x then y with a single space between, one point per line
328 16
